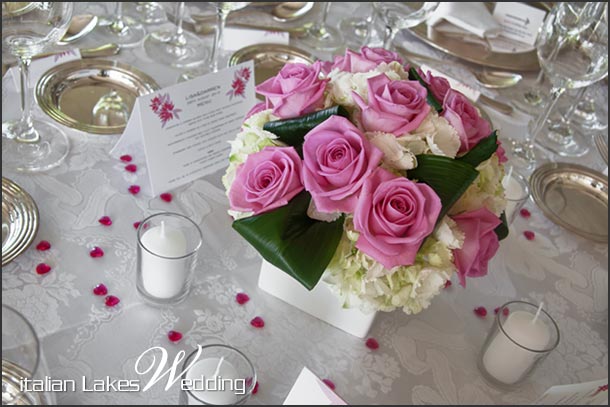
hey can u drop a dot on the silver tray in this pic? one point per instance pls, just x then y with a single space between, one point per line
574 197
270 58
19 220
69 93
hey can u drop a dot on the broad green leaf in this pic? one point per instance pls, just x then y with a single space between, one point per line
432 101
290 240
482 151
502 229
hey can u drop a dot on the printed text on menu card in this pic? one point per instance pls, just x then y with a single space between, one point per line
185 128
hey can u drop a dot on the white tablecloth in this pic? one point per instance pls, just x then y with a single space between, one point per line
427 358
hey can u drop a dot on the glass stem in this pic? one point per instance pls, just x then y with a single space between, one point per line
118 26
325 10
179 39
27 133
540 122
388 39
221 21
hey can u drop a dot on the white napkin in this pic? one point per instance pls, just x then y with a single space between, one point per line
471 17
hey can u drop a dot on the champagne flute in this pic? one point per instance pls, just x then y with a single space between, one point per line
399 15
321 36
177 47
29 144
120 29
223 8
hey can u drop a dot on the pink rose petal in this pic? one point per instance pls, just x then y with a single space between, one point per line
96 252
43 268
166 196
255 389
131 168
372 343
257 322
525 213
126 158
329 383
529 235
448 283
43 246
111 301
242 298
105 220
100 289
480 312
174 336
134 189
136 225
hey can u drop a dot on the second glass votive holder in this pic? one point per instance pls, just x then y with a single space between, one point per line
167 256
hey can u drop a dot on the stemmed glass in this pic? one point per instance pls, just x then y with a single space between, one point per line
147 12
399 15
177 47
120 29
223 8
569 63
321 36
357 27
28 144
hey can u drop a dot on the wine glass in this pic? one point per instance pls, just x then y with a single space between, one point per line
147 12
591 111
321 36
569 63
398 15
29 144
223 8
357 27
175 47
120 29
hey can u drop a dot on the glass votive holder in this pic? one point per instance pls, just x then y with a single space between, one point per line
167 256
217 375
520 339
517 191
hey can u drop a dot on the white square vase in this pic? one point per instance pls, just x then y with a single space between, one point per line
319 302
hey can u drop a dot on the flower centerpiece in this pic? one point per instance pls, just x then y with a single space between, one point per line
376 177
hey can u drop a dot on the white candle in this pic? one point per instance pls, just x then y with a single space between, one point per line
506 361
213 381
164 277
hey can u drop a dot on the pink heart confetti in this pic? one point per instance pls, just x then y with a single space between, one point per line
43 268
96 252
111 301
448 283
529 235
166 196
131 168
100 289
505 311
134 189
43 246
174 336
372 344
126 158
105 220
480 312
136 225
242 298
257 322
525 213
329 383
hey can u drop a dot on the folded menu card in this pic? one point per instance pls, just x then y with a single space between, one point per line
591 393
184 129
309 390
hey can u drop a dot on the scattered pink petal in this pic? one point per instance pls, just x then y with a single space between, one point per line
329 383
257 322
496 310
111 301
166 196
480 312
242 298
134 189
43 246
448 283
525 213
136 225
529 235
131 168
96 252
100 289
505 312
43 268
255 389
126 158
174 336
105 220
372 343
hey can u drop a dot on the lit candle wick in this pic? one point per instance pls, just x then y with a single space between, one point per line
222 358
537 313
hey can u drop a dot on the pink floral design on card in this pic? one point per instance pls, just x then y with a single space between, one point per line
240 79
163 107
62 54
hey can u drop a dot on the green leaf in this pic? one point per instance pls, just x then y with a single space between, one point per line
482 151
290 240
293 131
432 101
449 178
502 229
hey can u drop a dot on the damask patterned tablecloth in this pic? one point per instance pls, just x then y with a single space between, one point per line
429 358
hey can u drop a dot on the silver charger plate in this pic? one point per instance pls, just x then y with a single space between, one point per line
19 220
574 197
69 92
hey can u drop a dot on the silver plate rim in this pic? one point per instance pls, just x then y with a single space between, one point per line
237 56
30 219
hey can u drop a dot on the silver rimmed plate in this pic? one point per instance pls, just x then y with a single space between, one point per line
574 197
95 96
19 220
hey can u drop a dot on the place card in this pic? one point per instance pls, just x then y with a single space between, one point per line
238 38
184 129
520 24
309 390
591 393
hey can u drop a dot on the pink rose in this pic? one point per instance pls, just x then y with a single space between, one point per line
396 107
337 159
438 85
501 153
257 108
394 215
480 243
267 180
365 61
465 118
296 90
